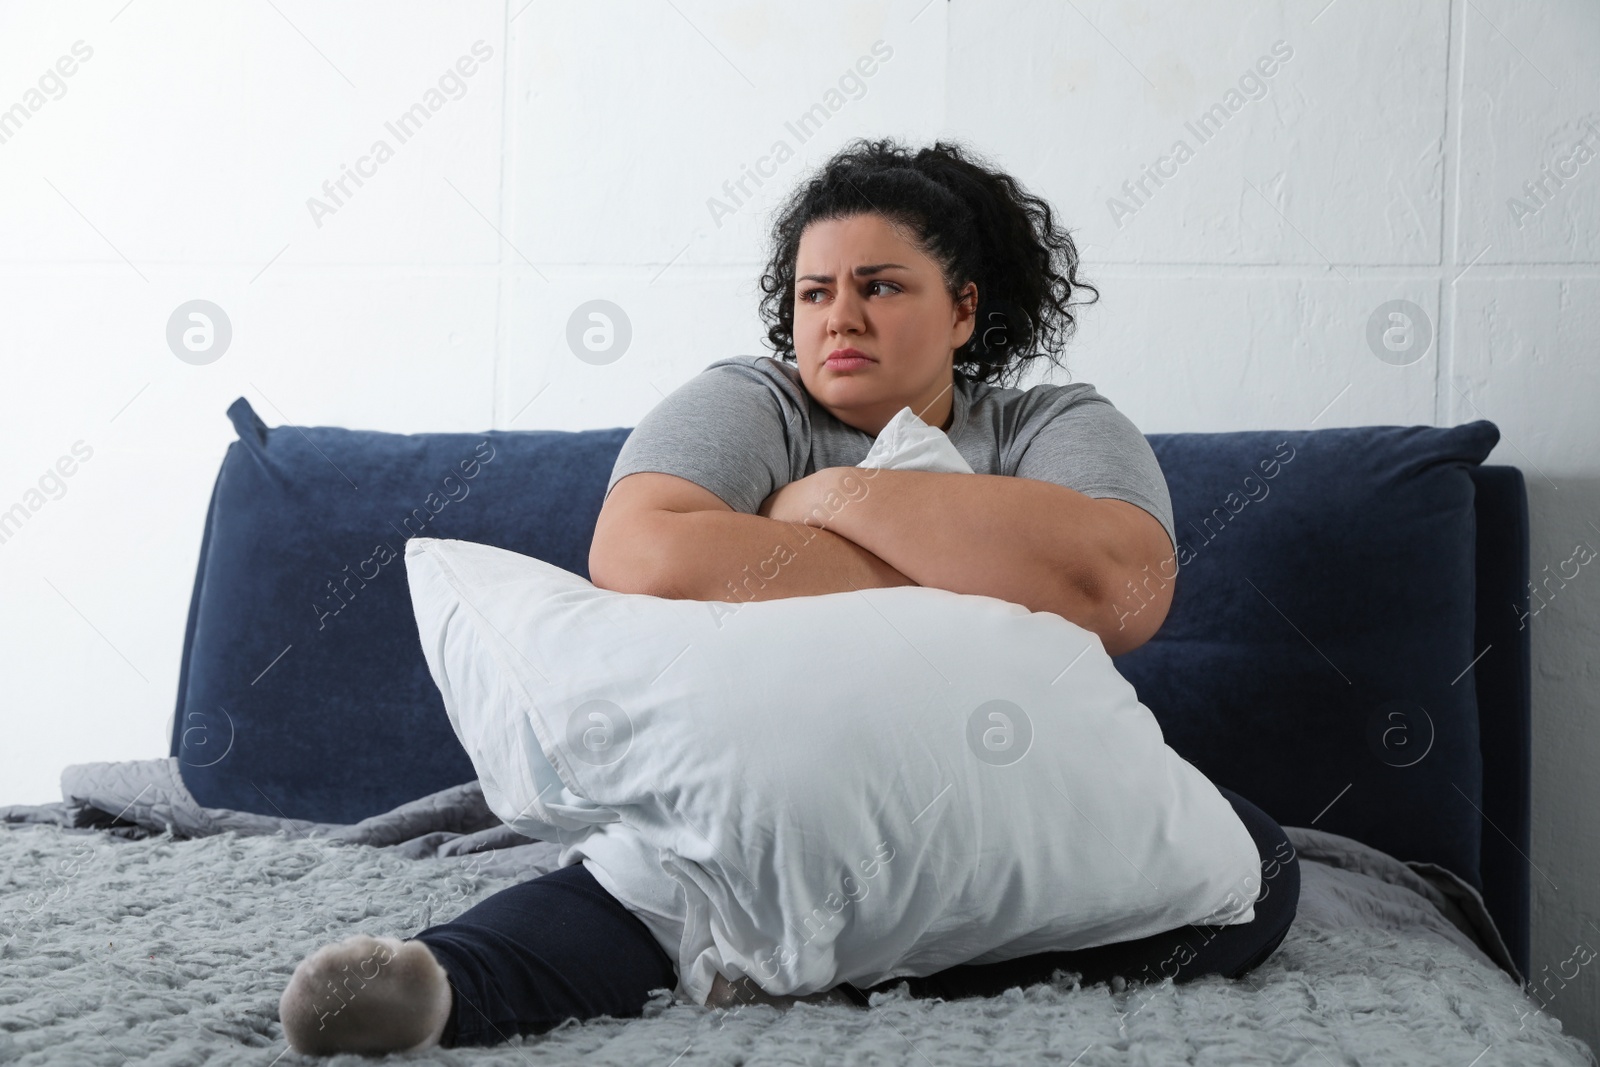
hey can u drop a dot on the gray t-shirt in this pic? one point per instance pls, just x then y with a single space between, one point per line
745 427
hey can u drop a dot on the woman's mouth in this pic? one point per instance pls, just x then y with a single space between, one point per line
843 359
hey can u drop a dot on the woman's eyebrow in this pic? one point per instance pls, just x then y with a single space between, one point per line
859 272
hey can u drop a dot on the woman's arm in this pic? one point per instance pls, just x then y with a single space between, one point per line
734 557
1031 542
662 535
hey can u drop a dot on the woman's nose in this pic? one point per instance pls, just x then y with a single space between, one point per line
845 313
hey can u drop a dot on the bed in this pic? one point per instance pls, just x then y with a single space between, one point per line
1346 649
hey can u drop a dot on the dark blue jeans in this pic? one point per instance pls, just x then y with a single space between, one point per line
560 947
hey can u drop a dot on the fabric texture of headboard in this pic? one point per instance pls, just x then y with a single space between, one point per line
1316 657
1334 589
1504 673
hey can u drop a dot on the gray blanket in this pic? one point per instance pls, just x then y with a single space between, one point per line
1387 962
137 798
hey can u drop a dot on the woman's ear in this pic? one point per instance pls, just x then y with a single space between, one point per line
966 307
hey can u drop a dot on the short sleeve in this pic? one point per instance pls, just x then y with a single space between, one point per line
1088 445
724 429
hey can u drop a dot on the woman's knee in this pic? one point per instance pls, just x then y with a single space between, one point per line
1279 892
1279 897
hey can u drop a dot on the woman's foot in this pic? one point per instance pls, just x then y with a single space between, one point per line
366 994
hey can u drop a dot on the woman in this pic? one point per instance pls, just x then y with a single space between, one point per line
897 279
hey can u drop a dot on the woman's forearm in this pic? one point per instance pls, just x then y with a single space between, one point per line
736 557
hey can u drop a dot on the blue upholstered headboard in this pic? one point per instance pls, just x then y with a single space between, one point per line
1505 702
1344 647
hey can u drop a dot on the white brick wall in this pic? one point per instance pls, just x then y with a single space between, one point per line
1369 151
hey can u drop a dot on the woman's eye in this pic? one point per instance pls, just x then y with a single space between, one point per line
805 297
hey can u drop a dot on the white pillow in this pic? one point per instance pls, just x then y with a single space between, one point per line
909 444
814 790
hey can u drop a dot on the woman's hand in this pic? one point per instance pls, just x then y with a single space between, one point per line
802 499
817 500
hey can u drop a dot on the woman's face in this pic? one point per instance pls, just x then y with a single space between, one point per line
860 283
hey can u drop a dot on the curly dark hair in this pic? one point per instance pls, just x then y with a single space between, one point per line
977 223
